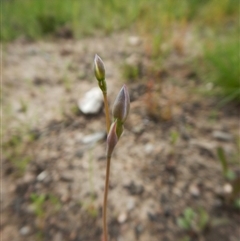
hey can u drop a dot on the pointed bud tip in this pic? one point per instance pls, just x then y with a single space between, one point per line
121 105
96 57
99 68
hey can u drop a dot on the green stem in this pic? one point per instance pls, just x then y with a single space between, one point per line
105 229
106 111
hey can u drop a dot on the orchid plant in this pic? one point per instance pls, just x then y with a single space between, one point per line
120 112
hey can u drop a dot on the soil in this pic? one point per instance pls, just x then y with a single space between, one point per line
166 161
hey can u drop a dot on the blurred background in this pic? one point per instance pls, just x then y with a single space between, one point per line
175 173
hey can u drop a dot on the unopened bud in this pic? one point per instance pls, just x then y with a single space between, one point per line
121 105
99 71
112 138
99 68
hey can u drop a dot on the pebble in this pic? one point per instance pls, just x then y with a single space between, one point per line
92 101
25 230
138 129
42 176
30 209
66 177
227 188
209 146
93 138
134 40
222 136
135 189
122 217
149 148
209 86
130 204
194 191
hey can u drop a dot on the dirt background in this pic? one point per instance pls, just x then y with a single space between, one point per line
165 161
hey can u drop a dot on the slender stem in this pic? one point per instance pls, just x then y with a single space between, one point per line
106 111
105 229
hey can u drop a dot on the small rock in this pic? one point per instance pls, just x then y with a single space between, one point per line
149 148
93 138
30 209
138 129
134 40
194 191
130 204
205 146
66 177
42 176
209 86
122 217
24 231
227 188
134 189
92 101
222 136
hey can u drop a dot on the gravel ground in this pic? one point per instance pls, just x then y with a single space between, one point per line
166 161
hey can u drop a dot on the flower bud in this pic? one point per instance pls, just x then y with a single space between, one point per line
121 105
99 71
99 68
112 138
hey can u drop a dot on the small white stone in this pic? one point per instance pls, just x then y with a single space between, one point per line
222 136
92 101
209 86
93 138
42 176
25 230
134 40
122 217
130 204
149 148
227 188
